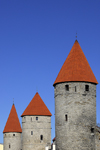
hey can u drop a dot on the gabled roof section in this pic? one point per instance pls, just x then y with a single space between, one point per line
36 107
76 67
12 124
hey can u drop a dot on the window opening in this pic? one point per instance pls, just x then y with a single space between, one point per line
9 146
31 132
92 130
31 118
75 88
41 137
36 118
24 118
86 87
13 134
66 117
67 87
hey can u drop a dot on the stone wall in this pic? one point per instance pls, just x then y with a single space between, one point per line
75 116
36 132
97 139
12 141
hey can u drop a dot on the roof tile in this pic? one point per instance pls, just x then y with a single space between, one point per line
12 124
36 107
76 67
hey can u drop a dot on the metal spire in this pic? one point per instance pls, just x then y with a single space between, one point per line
76 35
13 101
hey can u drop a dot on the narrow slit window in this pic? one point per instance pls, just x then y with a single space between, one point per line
86 87
66 117
31 132
36 118
67 87
24 119
31 118
41 137
9 146
75 89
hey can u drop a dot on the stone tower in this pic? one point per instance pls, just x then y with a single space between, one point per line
36 125
75 103
12 131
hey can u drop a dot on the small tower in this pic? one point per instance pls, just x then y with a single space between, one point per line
12 131
36 125
75 103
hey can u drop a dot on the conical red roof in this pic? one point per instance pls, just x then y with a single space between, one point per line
76 67
36 107
12 124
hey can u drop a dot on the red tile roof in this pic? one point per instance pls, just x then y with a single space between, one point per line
36 107
76 67
12 124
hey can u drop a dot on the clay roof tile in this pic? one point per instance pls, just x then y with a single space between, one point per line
12 124
36 107
76 67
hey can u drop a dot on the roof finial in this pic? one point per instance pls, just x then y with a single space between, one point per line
13 101
76 35
36 89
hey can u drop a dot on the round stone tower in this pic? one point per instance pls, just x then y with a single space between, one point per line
12 131
36 125
75 103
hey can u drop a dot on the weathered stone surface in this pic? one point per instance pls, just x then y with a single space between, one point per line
12 141
42 126
97 138
80 108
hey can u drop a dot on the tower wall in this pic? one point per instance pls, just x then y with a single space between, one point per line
12 141
75 116
97 139
33 129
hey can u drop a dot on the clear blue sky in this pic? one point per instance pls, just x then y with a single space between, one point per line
35 39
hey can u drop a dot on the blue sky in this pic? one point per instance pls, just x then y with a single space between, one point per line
36 37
